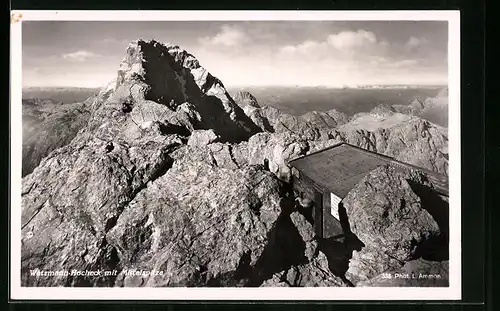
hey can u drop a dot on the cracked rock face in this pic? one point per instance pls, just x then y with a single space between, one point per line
74 197
203 225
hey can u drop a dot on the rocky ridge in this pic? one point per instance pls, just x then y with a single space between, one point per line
170 174
406 138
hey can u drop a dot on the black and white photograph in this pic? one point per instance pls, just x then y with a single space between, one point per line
235 156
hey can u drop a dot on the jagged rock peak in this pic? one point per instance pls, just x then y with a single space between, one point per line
167 73
153 73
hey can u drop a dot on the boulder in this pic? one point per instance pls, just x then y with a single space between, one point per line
202 137
307 234
389 219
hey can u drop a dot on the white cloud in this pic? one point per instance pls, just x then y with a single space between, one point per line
357 57
304 47
357 50
414 42
352 39
345 44
230 36
79 56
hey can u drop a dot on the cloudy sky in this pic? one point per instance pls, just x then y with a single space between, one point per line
250 53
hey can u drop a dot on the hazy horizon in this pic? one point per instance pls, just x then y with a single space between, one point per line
245 53
291 100
243 87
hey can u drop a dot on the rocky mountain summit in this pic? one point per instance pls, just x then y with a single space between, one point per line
170 177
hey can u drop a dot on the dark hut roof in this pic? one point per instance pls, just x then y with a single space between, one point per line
339 168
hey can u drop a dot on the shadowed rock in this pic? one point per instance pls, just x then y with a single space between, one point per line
170 76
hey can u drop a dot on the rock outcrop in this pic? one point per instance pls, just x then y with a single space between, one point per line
407 139
277 149
202 137
199 223
433 109
312 126
313 274
75 197
325 119
436 108
388 217
415 107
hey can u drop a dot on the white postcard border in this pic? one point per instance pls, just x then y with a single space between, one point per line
453 292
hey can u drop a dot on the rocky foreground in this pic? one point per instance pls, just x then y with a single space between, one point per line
164 175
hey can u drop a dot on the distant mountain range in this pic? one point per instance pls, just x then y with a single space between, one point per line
67 95
396 86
